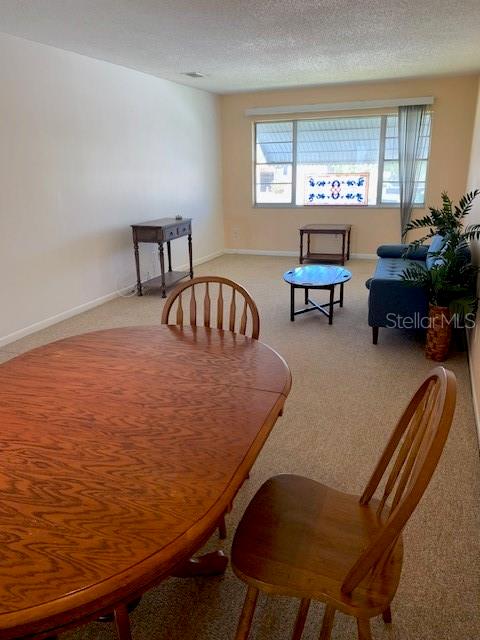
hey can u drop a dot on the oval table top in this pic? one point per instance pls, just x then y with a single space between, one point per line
317 275
119 451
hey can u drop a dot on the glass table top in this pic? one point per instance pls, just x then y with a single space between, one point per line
317 275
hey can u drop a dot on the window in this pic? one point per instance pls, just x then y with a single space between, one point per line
333 161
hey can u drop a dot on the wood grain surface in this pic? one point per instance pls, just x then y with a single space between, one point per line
119 452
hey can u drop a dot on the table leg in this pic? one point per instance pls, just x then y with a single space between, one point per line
211 564
348 245
292 303
308 244
137 266
169 254
306 296
162 269
330 306
301 247
343 247
122 622
341 294
109 617
190 254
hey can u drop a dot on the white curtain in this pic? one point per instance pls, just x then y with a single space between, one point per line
410 123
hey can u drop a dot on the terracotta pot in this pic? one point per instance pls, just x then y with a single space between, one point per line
439 333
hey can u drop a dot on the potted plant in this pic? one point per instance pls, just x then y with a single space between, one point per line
450 283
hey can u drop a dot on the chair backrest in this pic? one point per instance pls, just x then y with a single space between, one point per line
226 297
418 441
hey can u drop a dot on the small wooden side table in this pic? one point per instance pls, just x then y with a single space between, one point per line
326 229
160 231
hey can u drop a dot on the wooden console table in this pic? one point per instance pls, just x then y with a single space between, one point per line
160 231
326 229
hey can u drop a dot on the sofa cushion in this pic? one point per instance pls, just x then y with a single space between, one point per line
433 250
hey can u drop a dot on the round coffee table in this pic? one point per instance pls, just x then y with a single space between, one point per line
316 276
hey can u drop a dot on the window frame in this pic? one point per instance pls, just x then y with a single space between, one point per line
381 161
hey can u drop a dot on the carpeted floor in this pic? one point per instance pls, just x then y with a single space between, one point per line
346 397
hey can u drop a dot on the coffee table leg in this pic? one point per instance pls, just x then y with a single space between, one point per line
330 306
341 294
306 296
292 302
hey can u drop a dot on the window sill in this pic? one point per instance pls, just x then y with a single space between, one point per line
331 206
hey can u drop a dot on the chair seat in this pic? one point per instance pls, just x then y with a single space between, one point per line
300 538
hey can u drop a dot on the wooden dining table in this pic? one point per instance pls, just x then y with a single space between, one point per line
120 451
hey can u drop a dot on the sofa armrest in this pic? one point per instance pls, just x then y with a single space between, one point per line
400 250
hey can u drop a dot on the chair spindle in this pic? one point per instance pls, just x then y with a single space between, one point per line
233 307
179 310
206 307
243 321
220 307
193 308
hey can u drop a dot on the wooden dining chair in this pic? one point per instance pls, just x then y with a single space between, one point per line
222 298
302 539
222 314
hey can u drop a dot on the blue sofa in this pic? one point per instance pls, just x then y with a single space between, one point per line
392 303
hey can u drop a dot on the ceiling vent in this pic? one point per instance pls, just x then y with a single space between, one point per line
194 74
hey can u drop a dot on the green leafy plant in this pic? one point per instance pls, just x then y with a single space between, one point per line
451 282
447 221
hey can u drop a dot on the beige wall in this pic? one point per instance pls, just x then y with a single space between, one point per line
273 229
474 218
86 149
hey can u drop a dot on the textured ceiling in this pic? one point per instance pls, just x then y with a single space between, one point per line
246 44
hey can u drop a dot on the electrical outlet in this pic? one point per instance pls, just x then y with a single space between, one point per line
236 233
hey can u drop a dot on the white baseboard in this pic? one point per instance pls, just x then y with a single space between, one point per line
473 384
69 313
364 256
260 252
64 315
211 256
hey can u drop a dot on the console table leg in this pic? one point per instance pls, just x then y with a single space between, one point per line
348 246
330 306
301 247
137 266
169 254
292 303
343 247
162 269
190 254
